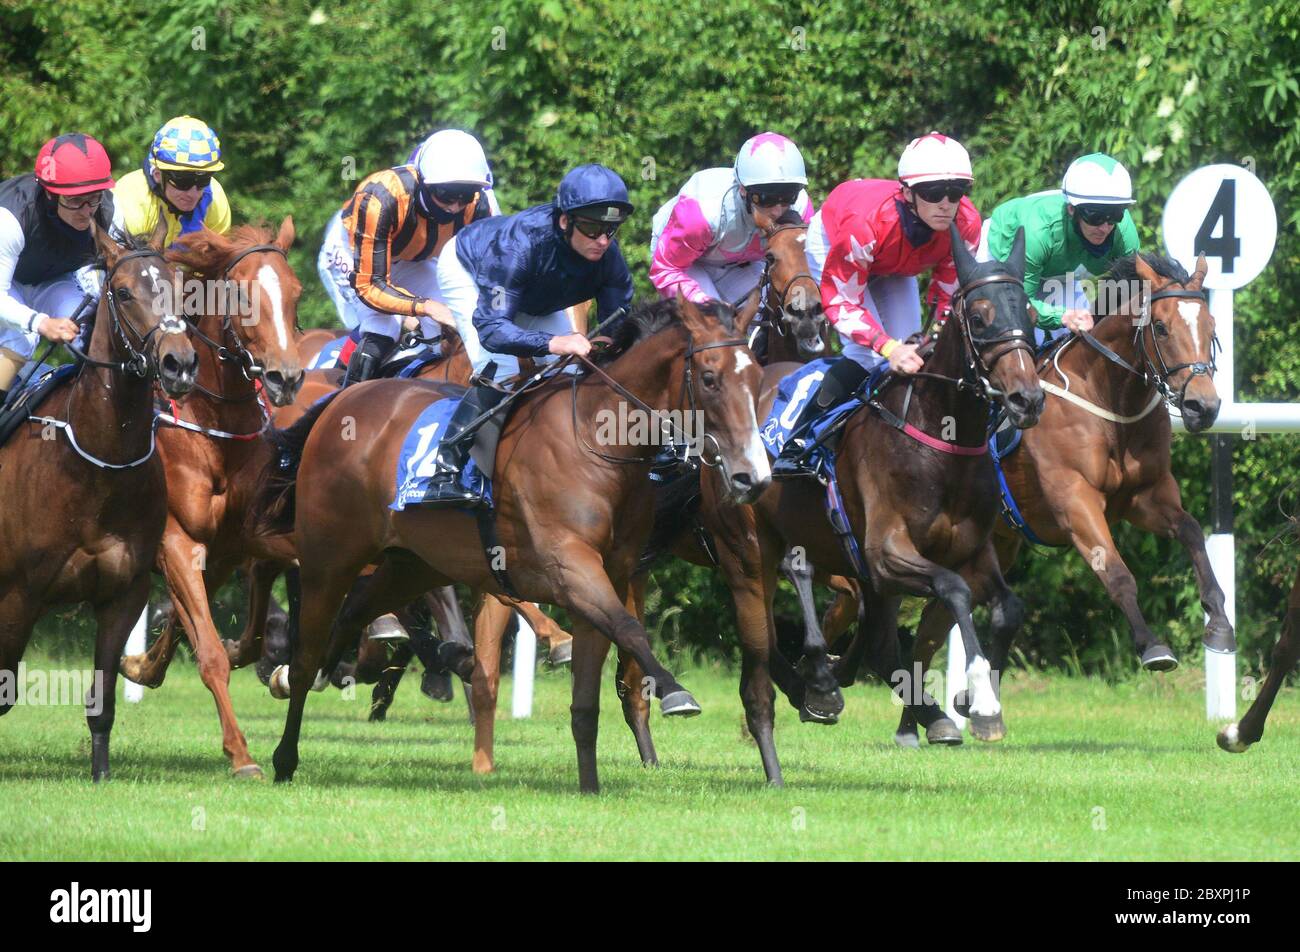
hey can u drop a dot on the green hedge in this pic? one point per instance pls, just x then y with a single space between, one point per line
308 98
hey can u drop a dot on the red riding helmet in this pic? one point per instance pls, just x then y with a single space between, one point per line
72 164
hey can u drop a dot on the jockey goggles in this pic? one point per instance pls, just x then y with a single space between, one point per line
453 194
74 203
595 229
1100 214
184 181
935 192
769 196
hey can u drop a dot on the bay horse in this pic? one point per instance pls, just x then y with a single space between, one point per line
1101 451
786 306
84 491
247 322
920 509
572 542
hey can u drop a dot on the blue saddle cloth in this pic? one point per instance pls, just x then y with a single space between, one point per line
794 391
41 383
1002 444
422 360
328 356
416 464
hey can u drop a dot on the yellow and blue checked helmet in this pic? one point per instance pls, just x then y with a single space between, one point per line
186 144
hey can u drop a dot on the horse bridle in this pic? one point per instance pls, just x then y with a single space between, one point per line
1159 378
141 363
687 395
238 353
771 309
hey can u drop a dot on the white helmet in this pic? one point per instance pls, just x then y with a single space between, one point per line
770 159
934 158
1097 179
451 155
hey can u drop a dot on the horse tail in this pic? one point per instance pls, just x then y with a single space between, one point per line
273 508
676 504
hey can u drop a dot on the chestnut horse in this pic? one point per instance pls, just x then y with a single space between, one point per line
921 511
214 459
1101 451
84 511
573 542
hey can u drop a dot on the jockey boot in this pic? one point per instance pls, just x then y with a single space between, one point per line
453 451
366 359
843 377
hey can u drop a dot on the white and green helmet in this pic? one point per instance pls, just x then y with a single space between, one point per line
1097 179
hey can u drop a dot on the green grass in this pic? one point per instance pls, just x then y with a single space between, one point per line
1088 771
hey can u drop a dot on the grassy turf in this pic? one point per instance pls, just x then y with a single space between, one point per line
1088 771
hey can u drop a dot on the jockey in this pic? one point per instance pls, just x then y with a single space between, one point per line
508 280
706 243
45 237
1078 230
175 183
383 260
866 246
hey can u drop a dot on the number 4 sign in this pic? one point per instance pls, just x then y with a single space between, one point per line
1224 212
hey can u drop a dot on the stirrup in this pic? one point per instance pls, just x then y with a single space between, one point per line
446 491
794 461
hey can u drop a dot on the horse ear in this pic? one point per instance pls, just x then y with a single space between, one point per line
104 243
284 240
961 257
158 238
746 314
1198 277
691 316
1016 261
1144 271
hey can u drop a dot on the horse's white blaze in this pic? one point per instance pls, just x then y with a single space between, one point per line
742 361
755 452
1191 312
983 699
270 282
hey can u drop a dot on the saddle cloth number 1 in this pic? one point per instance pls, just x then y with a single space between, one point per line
799 398
423 463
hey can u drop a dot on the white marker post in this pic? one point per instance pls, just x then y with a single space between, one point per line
521 700
1225 212
135 644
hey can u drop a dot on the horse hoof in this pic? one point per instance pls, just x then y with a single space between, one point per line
812 715
961 704
908 740
458 659
133 669
386 628
1230 740
279 683
321 683
1159 658
249 772
986 728
436 686
679 704
943 733
560 653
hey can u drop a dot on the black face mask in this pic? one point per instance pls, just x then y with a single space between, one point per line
431 211
915 231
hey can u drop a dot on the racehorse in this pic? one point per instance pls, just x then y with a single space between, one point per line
785 309
1101 451
85 497
571 542
212 453
920 509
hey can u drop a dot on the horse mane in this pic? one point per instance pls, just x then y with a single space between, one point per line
1123 274
648 319
791 217
208 252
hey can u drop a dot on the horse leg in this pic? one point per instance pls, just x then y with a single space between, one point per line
1159 510
589 650
931 632
490 623
1006 609
114 620
1092 538
1235 738
559 643
261 577
903 564
18 615
842 613
381 698
190 596
628 683
822 700
149 669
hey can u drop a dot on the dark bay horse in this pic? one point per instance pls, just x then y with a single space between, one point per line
573 541
1101 451
213 454
786 307
84 491
1236 738
921 509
